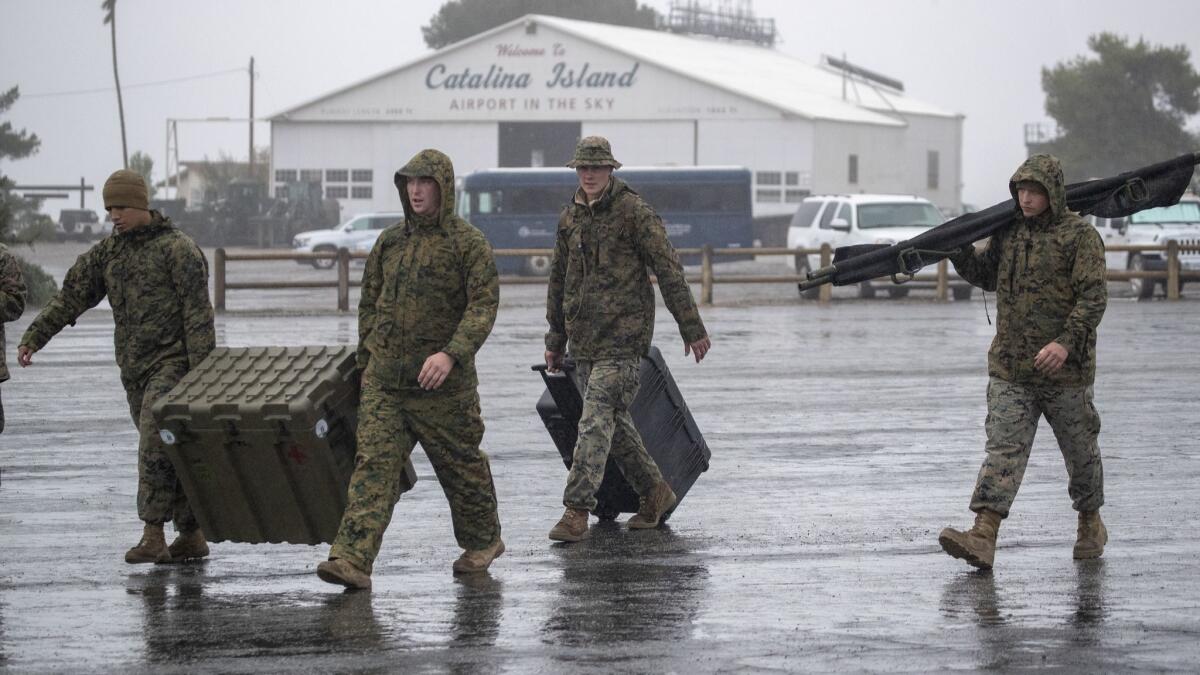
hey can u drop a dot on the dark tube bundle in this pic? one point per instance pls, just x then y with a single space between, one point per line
1159 184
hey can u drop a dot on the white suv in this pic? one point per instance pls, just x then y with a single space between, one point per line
845 220
1180 222
359 232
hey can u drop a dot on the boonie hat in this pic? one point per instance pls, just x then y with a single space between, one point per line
593 151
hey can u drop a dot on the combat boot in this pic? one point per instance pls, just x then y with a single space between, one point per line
1091 536
651 507
151 549
188 546
342 571
573 526
473 562
977 546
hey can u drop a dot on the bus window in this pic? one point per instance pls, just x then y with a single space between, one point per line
696 197
531 200
482 202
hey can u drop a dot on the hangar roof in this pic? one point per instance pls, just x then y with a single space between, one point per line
761 74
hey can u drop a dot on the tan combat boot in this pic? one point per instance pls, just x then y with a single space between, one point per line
151 549
573 526
1091 536
977 546
342 571
473 562
188 546
651 507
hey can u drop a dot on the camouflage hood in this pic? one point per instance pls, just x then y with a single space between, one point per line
431 163
1045 170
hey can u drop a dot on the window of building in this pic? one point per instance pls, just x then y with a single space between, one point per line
795 196
362 176
767 196
335 192
852 170
337 175
285 175
361 192
791 178
932 170
313 175
768 178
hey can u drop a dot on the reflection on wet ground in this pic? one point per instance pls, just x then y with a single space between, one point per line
843 439
623 587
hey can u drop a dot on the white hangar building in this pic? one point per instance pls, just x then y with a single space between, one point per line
523 93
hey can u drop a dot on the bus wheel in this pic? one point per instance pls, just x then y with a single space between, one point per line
537 265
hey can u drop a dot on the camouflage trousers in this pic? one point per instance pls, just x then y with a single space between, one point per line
449 428
605 428
1012 421
160 496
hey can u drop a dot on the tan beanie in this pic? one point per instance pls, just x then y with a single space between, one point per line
126 188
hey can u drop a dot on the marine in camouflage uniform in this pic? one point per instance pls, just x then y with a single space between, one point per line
156 280
430 293
12 306
1048 273
600 304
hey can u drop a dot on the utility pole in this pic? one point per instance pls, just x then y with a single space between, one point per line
110 18
251 117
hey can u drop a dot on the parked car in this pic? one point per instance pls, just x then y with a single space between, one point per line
1157 226
845 220
82 224
358 233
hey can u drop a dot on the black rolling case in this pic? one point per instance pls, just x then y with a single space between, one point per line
661 417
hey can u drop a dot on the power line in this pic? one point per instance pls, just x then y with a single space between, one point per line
140 85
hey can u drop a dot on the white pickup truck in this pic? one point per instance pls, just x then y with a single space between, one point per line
360 232
844 220
1180 222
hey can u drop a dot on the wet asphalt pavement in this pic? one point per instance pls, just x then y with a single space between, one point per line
843 439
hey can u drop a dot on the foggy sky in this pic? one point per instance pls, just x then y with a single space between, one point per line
982 59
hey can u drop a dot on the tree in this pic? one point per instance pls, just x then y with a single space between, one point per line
144 164
460 19
110 18
225 170
13 145
1125 108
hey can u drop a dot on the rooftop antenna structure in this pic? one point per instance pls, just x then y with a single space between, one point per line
881 84
730 20
852 72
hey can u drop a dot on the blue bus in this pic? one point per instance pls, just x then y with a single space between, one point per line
519 208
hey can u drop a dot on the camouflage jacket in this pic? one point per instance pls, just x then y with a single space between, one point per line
599 296
1048 273
156 280
430 286
12 299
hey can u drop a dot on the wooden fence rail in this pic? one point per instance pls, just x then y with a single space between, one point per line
707 277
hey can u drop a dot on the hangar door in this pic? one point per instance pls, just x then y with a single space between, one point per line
538 143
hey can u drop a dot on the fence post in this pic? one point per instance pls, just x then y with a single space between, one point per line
1172 270
343 267
219 279
706 275
943 280
826 293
